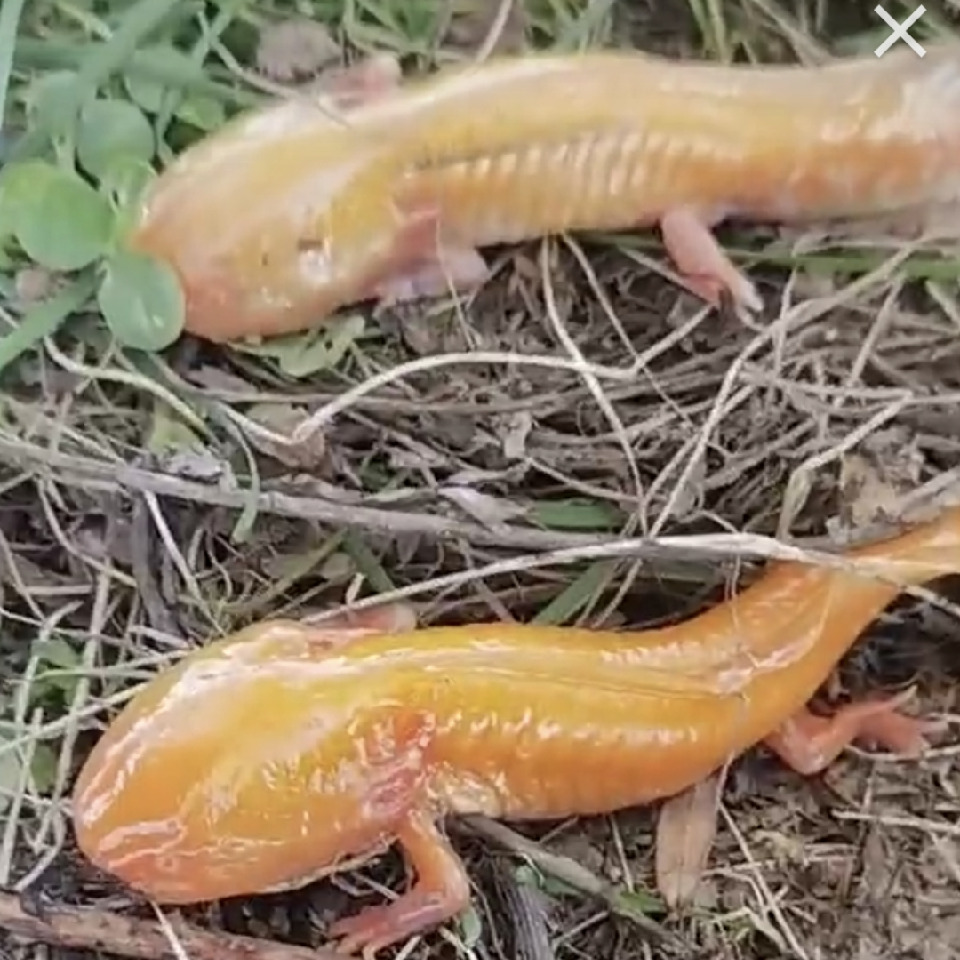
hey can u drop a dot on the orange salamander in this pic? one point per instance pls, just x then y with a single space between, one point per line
387 190
285 752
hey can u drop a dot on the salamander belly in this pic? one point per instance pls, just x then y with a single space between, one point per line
552 749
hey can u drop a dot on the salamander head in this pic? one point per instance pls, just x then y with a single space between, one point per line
245 768
238 278
241 217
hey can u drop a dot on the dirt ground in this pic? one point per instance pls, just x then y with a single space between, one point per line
634 411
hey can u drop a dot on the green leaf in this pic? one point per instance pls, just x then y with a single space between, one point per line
110 130
50 103
61 222
205 113
43 768
576 514
170 434
21 186
15 192
33 54
126 179
367 563
576 596
471 927
43 320
58 673
304 355
142 301
146 91
530 876
139 20
11 772
638 903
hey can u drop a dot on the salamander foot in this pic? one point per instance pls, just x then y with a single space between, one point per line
706 269
809 743
441 891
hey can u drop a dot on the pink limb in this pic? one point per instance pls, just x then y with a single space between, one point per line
809 743
452 269
414 262
701 261
351 625
440 892
362 82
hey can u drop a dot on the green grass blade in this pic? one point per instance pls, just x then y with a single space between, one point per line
44 319
10 11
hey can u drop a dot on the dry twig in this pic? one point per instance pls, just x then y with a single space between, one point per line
84 928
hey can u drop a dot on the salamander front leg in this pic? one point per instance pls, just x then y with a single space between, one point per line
362 82
440 892
353 625
451 270
809 744
705 268
342 628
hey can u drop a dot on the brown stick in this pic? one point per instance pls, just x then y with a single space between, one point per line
91 929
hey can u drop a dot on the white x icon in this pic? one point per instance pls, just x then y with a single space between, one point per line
900 31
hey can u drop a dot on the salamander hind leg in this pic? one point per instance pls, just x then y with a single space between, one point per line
699 258
440 892
809 743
